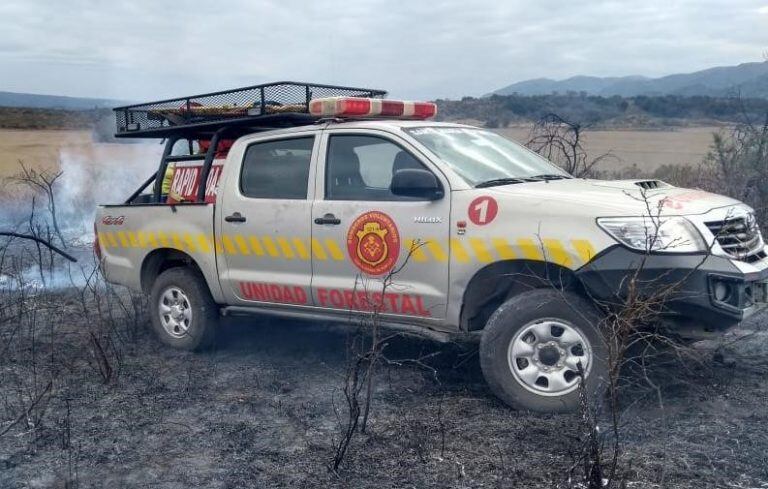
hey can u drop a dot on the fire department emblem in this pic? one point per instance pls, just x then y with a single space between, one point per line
373 243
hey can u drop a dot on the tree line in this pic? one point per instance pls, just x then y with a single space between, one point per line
502 110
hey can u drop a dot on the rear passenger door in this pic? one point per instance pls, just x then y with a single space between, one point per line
361 231
264 215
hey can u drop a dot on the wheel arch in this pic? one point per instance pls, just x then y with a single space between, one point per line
493 284
160 260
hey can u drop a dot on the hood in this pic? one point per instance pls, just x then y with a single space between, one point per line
616 197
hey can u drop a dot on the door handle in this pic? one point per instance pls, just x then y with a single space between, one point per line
328 219
236 217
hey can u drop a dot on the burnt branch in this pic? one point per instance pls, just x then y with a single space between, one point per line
44 182
561 141
39 240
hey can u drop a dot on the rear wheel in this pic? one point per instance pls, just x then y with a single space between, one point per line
184 314
536 344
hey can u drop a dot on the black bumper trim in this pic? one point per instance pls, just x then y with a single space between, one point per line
605 278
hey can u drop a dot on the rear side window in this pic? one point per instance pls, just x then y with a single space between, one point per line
277 169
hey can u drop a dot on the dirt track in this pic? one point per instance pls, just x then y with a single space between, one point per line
261 411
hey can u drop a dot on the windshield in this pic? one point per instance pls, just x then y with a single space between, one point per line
481 156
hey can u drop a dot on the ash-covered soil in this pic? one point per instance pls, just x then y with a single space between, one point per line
265 409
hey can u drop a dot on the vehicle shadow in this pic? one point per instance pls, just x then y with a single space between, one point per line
285 341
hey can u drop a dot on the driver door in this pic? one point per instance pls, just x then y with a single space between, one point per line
372 248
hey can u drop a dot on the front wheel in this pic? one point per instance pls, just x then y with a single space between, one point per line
536 344
184 315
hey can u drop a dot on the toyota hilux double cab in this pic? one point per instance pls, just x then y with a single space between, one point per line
304 200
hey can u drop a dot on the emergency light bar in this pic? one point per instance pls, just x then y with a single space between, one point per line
371 107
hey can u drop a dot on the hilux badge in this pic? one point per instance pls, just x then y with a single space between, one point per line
427 220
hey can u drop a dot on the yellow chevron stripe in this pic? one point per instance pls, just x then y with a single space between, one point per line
177 242
218 246
189 241
416 248
141 236
242 246
256 246
584 248
437 251
301 248
480 250
203 244
333 250
317 249
285 247
530 249
503 248
556 252
229 247
462 251
123 239
269 245
103 239
133 240
163 239
458 252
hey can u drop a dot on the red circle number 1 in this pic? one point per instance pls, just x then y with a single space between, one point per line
483 210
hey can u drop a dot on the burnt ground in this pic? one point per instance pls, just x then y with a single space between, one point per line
265 407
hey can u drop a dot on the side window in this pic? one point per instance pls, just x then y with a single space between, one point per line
185 147
361 167
277 169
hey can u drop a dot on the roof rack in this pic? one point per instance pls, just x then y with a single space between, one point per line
254 108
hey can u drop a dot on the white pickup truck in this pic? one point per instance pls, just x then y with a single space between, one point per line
301 200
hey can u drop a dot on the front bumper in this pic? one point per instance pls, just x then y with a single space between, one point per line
709 290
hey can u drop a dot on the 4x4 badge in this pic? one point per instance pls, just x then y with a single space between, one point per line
373 243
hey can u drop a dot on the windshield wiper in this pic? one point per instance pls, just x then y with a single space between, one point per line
509 180
549 176
501 181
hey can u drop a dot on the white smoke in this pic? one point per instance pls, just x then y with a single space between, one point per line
102 173
93 173
60 276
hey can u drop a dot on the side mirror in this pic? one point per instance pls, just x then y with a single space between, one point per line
416 183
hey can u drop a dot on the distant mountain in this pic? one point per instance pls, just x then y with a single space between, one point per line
32 100
749 79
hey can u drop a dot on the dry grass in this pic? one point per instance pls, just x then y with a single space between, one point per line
38 148
646 149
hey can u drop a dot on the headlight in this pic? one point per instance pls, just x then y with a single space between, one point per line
668 235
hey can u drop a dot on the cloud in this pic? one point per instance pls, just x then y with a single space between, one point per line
146 49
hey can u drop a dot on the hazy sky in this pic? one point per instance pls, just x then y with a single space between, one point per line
145 49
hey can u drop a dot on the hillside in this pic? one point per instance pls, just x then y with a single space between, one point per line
748 79
37 101
615 111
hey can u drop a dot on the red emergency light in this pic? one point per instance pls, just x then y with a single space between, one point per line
371 107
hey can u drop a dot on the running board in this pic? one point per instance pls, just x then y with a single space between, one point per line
353 320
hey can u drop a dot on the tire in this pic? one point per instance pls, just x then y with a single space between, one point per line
539 371
183 312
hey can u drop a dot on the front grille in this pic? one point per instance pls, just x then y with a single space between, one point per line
739 237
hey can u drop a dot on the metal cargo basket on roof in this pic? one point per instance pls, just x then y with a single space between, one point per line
279 103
